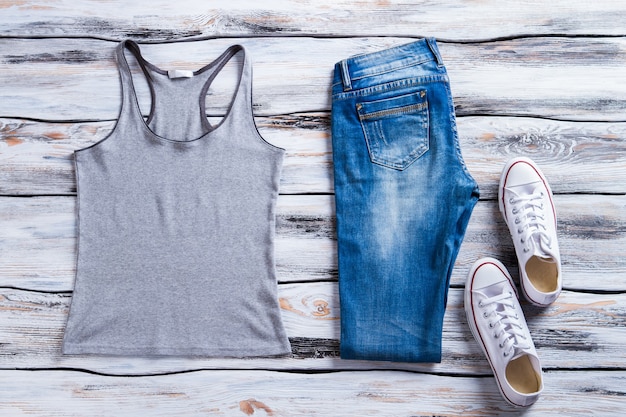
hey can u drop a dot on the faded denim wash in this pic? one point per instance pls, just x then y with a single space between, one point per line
403 198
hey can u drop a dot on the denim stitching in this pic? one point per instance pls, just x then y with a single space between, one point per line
390 86
457 144
409 64
374 149
398 111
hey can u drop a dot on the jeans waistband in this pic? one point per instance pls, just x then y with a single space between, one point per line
380 62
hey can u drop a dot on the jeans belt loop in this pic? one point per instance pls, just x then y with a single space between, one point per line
432 44
345 75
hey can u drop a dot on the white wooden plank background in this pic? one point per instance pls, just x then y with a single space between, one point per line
559 78
541 79
374 393
305 241
447 19
578 157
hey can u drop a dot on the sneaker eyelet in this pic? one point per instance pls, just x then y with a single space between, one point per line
506 354
485 315
490 325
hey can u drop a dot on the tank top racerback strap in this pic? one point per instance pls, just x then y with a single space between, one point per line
240 103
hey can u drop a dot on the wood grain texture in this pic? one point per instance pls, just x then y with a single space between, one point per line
558 78
241 393
531 78
450 19
579 331
577 157
39 241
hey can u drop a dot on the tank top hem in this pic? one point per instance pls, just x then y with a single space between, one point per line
82 349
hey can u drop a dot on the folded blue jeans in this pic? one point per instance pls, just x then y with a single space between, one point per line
403 199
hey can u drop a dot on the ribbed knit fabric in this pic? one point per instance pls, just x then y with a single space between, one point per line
176 221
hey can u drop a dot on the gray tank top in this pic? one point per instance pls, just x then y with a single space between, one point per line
176 222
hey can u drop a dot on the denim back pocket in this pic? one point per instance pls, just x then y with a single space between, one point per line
396 129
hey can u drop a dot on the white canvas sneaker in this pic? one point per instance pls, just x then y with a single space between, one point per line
495 317
525 201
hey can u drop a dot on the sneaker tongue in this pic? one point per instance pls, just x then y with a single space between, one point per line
541 250
493 289
525 189
518 353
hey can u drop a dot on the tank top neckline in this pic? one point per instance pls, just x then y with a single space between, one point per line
219 62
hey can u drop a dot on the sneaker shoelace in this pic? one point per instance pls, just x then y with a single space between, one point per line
530 220
505 322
